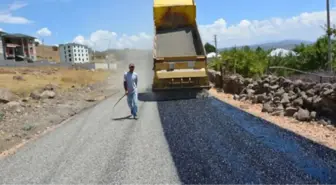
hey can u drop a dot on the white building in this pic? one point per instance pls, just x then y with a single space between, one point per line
213 55
282 52
74 53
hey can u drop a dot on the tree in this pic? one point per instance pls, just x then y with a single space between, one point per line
209 48
259 49
255 62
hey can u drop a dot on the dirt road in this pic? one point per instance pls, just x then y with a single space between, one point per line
189 141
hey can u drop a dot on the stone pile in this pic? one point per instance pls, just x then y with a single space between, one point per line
11 103
282 97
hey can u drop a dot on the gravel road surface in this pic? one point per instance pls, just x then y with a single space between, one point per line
188 141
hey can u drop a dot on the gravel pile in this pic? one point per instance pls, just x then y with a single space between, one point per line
305 101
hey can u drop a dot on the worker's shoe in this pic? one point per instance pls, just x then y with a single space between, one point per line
135 116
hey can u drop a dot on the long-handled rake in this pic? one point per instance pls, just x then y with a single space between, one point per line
119 100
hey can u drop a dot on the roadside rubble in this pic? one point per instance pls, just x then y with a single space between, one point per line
305 109
282 97
7 96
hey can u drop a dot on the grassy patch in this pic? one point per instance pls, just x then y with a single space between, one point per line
36 78
1 116
27 127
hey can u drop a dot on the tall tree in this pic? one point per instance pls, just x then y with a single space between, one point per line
209 48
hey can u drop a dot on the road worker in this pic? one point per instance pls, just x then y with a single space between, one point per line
130 86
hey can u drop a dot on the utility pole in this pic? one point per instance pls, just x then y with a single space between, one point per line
329 38
215 38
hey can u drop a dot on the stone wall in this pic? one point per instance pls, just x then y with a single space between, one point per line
305 101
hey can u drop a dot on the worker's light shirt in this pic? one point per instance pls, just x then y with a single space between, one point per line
131 80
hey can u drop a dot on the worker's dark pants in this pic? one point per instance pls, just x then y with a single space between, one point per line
132 101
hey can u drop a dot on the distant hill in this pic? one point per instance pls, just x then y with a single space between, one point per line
285 44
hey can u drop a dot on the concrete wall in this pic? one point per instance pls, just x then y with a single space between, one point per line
62 54
10 63
113 66
66 53
2 57
34 51
31 49
105 66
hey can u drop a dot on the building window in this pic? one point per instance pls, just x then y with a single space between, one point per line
70 59
75 59
69 51
69 55
87 59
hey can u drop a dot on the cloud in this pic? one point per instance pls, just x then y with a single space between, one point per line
306 26
7 17
10 19
59 1
38 41
104 39
81 40
17 5
44 32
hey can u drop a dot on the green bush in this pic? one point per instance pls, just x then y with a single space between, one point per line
255 62
1 116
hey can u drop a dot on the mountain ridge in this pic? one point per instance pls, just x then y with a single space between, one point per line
284 44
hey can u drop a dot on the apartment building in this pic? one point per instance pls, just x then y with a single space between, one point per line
74 53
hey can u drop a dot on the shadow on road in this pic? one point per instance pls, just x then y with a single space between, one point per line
167 96
122 118
214 143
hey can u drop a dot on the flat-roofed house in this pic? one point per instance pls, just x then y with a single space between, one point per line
14 46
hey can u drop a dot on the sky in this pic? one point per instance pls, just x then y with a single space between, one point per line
103 24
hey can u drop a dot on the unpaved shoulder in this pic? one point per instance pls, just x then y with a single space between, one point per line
28 118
